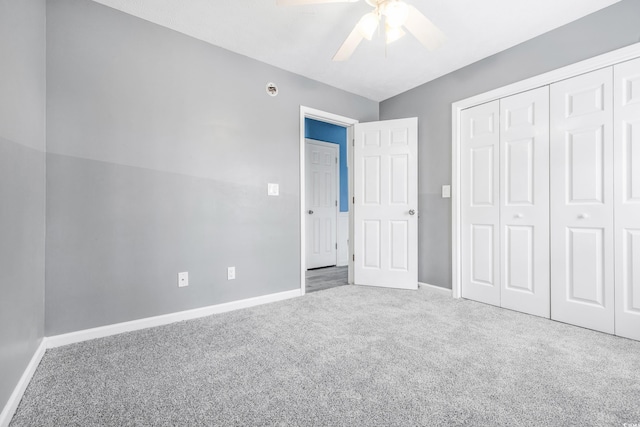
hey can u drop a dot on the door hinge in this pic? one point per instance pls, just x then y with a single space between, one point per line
336 203
336 246
353 199
336 160
353 142
353 257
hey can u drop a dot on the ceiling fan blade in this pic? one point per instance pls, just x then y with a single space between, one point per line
424 30
349 45
301 2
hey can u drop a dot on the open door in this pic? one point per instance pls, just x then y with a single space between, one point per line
386 203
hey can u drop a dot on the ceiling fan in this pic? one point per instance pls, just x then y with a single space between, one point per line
396 15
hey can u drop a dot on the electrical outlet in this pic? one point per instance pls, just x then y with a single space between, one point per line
231 273
183 279
446 191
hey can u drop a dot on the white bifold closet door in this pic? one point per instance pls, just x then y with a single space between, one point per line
581 197
524 202
505 211
627 198
481 203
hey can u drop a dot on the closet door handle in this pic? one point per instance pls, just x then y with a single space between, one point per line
583 216
518 215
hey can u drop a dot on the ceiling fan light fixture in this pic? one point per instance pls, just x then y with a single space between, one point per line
396 13
393 33
397 17
368 25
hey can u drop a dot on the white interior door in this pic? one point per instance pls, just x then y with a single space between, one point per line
322 203
480 203
386 203
627 205
524 206
581 160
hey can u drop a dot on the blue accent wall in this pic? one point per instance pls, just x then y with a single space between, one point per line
327 132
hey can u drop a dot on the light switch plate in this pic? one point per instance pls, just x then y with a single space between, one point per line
273 189
231 273
446 191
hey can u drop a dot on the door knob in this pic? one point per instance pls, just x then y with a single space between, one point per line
583 216
412 212
310 212
519 215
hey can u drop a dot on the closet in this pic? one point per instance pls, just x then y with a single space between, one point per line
550 201
581 160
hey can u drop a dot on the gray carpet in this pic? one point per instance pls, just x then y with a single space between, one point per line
349 356
326 278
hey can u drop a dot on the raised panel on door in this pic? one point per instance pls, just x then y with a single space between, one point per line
399 243
372 243
627 204
480 203
321 203
385 204
482 176
481 255
371 180
585 275
518 262
524 202
582 201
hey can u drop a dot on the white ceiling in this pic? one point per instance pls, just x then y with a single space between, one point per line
303 39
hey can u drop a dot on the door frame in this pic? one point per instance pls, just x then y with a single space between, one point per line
601 61
346 122
335 147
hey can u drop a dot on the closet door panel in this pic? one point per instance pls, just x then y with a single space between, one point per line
581 198
627 203
481 203
524 196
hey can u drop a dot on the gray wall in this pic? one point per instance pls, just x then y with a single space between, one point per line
159 151
22 188
603 31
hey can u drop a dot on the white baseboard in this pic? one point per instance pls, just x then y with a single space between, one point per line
149 322
439 288
16 396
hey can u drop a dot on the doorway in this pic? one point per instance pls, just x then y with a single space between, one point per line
334 131
383 206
